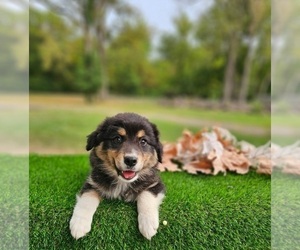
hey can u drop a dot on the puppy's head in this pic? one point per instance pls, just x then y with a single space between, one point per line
128 144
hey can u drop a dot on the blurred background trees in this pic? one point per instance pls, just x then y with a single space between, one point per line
224 55
13 60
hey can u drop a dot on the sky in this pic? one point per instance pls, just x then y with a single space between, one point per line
160 13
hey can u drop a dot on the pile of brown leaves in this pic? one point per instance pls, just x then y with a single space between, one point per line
286 159
215 150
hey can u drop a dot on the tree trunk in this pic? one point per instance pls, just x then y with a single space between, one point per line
264 85
246 76
230 70
101 35
87 39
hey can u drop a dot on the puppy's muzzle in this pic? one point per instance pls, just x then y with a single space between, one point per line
130 161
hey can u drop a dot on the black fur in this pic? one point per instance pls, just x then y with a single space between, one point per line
132 123
101 180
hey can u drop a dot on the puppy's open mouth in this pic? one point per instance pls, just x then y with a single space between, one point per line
128 174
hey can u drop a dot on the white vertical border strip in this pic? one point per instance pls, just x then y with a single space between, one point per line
14 125
285 124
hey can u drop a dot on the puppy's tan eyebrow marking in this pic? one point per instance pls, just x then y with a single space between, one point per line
122 131
140 133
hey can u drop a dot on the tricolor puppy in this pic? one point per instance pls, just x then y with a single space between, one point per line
125 151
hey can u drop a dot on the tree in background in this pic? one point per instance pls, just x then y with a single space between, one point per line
128 51
53 53
257 34
13 60
228 27
94 14
285 52
224 55
89 18
178 50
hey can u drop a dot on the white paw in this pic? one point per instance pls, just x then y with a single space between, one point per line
148 225
79 226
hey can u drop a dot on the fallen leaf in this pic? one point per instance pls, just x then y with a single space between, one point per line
246 147
224 136
235 161
218 166
264 165
292 167
203 166
170 152
168 166
211 143
211 151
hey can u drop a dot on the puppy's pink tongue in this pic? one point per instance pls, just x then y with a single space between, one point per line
128 174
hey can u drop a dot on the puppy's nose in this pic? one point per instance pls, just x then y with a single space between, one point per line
130 161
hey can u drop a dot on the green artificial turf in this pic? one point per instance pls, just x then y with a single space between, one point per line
203 212
285 211
14 207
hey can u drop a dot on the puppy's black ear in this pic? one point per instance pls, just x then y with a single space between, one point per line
92 140
96 137
158 145
159 151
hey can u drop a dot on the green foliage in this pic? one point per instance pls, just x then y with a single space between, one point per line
179 52
249 22
10 75
53 53
88 77
13 69
80 54
127 59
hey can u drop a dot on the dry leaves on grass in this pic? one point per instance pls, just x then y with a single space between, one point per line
286 159
271 156
217 151
208 151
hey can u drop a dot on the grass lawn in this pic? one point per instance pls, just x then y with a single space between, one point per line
203 212
60 124
285 128
285 211
14 208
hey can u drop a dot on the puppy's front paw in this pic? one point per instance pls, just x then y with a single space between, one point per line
79 226
148 225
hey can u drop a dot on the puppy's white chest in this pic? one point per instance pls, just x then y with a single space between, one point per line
119 190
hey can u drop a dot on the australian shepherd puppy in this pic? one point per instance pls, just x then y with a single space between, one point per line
125 151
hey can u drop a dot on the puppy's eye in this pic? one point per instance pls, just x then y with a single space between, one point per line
143 142
117 140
